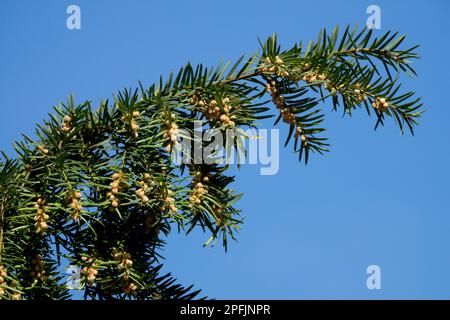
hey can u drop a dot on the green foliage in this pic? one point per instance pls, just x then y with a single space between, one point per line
97 188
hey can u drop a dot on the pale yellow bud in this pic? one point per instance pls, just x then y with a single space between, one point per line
116 176
140 193
278 60
134 126
224 118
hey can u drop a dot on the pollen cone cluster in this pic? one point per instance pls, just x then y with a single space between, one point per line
43 150
275 67
130 288
361 96
286 114
91 271
215 112
311 77
134 126
299 133
132 120
124 264
41 216
141 192
75 206
38 272
172 131
115 185
67 123
170 202
380 104
123 259
278 100
199 189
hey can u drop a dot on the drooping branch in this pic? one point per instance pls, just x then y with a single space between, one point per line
97 188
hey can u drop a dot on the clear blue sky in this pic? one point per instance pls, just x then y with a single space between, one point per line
310 232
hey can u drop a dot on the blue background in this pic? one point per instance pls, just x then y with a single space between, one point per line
310 232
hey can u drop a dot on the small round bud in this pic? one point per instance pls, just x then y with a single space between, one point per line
278 60
116 176
134 126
